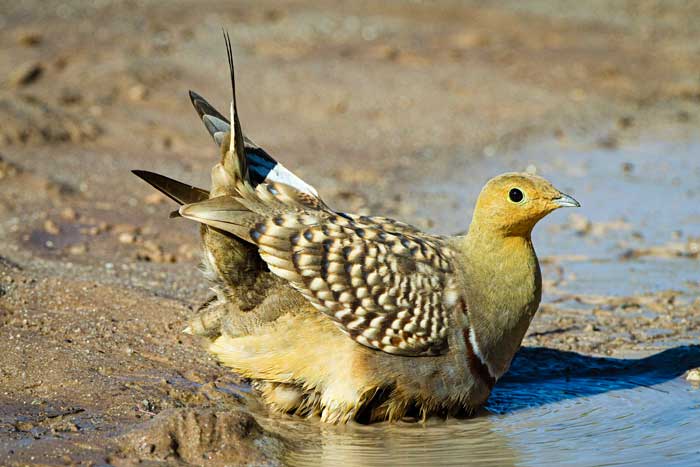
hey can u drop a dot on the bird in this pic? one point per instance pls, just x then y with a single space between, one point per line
354 317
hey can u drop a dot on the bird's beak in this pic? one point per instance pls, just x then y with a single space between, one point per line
566 201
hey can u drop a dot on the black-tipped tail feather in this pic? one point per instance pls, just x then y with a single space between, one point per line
261 166
179 192
217 125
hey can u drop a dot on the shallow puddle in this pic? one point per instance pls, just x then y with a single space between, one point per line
553 408
556 407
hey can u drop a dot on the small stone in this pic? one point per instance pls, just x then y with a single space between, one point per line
79 249
51 227
70 96
29 38
152 246
138 92
151 251
66 426
148 405
24 426
693 375
127 237
625 122
26 74
69 214
60 63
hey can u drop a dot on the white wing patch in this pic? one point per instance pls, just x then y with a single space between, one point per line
281 174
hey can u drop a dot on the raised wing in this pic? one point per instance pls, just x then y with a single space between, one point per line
383 282
386 288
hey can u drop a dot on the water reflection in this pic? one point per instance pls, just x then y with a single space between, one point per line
553 408
435 443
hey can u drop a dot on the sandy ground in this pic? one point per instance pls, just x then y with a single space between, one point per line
365 101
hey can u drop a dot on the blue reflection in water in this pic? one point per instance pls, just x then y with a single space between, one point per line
552 408
563 408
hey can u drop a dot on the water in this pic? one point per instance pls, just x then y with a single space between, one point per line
556 407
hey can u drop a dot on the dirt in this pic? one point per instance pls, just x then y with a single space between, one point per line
367 101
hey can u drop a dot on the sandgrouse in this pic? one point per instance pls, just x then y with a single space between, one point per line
358 317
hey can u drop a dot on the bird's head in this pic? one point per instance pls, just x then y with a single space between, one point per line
512 203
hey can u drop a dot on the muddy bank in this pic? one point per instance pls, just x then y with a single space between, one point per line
401 110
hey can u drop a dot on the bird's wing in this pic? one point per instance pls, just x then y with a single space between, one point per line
384 283
387 223
386 289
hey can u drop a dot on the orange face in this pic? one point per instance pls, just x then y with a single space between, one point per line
512 203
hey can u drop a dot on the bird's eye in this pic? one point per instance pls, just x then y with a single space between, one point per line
515 195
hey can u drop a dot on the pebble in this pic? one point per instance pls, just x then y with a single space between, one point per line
26 74
70 96
51 227
24 426
625 122
29 38
78 249
138 92
69 214
127 237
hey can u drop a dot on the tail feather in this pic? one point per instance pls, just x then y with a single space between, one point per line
240 154
217 125
235 160
224 213
179 192
204 108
